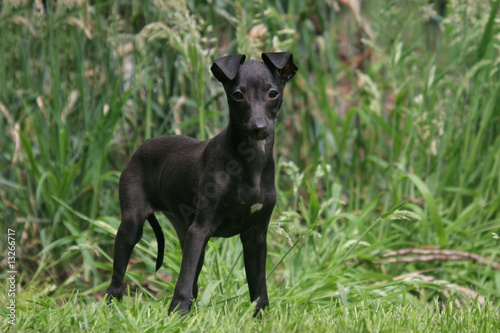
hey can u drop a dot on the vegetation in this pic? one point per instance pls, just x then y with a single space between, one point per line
387 152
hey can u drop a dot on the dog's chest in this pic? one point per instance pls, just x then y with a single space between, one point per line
250 197
245 204
239 217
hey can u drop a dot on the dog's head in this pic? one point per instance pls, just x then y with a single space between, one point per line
254 89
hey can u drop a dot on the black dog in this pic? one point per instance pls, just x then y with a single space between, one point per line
219 187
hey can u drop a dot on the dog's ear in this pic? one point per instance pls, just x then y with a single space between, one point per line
226 68
282 62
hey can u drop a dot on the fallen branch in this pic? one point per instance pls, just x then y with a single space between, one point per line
464 292
424 255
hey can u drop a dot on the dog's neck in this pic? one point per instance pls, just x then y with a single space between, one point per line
253 154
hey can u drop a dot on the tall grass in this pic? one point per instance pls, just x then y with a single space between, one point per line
400 152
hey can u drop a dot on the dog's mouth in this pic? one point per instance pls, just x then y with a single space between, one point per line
260 135
259 132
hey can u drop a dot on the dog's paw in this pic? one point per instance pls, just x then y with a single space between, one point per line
181 308
261 310
113 294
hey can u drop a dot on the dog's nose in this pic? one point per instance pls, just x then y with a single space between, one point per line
259 129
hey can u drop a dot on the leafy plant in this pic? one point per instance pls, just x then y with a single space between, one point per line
387 145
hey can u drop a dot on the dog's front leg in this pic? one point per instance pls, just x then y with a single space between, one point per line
196 240
255 255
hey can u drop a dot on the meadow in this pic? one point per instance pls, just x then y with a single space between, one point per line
387 150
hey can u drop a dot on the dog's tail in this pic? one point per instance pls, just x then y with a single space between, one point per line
159 238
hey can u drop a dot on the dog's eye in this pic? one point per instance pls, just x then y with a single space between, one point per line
238 96
273 94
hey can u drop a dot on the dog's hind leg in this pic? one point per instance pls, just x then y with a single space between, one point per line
181 230
129 233
198 270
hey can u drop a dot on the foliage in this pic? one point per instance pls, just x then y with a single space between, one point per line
388 139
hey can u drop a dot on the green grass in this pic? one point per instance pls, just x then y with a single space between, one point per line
399 152
139 315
